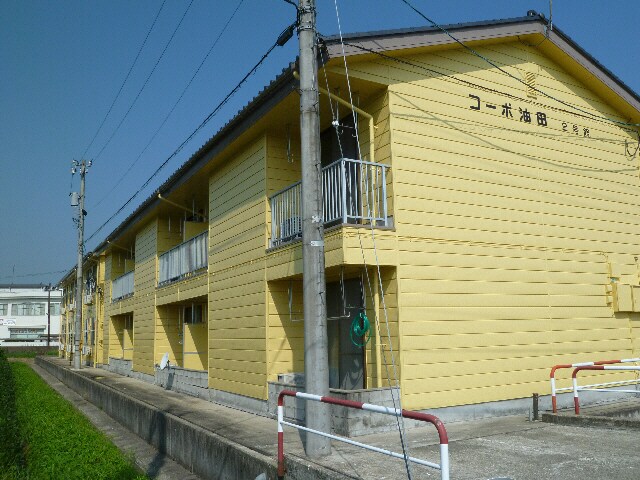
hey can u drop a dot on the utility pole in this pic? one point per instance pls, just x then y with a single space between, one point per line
316 355
48 287
81 213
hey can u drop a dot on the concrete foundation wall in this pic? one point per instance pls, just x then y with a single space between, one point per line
348 422
202 451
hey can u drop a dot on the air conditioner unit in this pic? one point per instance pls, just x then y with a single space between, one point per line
88 299
72 306
63 310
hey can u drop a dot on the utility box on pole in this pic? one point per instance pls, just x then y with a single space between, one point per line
316 355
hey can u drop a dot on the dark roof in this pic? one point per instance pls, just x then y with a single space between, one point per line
284 83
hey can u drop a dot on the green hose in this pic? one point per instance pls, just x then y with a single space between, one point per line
360 327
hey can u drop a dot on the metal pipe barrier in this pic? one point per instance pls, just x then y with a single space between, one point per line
424 417
597 387
552 375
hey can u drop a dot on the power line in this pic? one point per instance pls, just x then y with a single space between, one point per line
399 419
155 134
469 83
135 60
145 82
41 274
198 128
505 72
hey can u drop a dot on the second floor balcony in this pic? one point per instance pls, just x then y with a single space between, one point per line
184 260
122 287
353 192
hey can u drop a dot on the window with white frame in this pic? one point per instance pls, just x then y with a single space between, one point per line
27 309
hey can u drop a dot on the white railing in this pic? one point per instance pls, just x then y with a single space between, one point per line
122 286
185 259
353 191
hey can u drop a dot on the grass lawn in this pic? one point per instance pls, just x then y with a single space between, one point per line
53 440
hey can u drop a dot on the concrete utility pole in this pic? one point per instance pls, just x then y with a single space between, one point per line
316 355
81 213
48 287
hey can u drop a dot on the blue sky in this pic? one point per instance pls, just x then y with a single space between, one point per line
62 63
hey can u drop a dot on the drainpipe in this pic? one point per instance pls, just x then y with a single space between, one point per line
368 116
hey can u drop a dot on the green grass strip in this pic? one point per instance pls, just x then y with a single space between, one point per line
11 443
60 443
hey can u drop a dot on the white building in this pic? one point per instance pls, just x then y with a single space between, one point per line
28 313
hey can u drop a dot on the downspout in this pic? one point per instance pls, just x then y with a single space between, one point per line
372 127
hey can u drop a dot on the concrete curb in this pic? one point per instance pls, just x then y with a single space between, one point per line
202 451
590 421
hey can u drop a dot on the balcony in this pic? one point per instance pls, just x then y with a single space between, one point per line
184 260
353 192
122 287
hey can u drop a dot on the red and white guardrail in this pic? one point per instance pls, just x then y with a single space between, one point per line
596 387
552 375
425 417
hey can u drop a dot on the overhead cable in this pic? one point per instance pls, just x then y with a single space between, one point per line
144 84
514 77
399 419
155 134
181 146
135 60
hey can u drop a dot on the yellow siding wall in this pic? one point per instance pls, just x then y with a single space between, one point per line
507 231
195 346
144 319
169 233
169 334
237 242
285 344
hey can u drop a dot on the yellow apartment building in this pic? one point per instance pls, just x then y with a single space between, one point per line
480 209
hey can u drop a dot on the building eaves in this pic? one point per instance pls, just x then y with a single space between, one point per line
384 40
279 87
390 40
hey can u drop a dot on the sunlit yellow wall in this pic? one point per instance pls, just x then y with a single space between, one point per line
237 242
195 346
169 334
144 296
507 231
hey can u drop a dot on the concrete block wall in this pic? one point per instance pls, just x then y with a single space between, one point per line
348 422
191 382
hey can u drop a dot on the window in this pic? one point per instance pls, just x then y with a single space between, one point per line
194 314
23 333
4 308
27 309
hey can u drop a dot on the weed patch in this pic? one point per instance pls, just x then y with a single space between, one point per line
59 442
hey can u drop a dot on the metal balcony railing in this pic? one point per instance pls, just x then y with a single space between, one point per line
184 259
353 191
122 287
